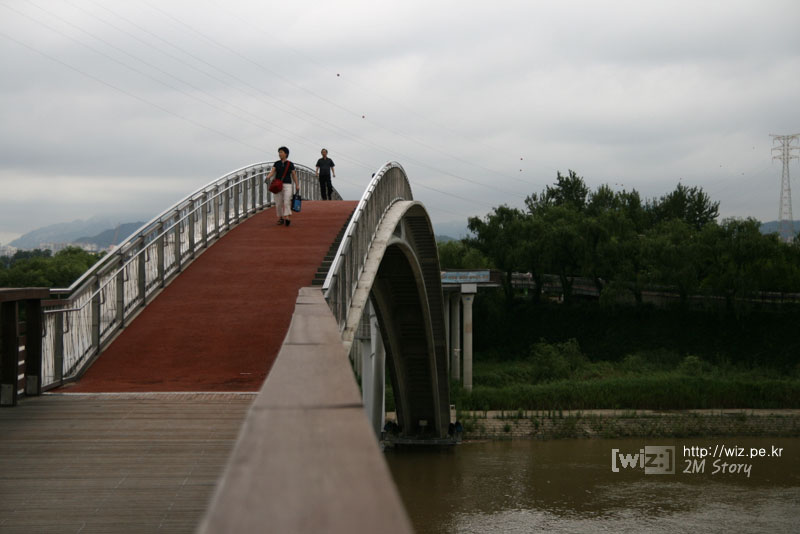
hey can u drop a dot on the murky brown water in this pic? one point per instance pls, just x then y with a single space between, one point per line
569 486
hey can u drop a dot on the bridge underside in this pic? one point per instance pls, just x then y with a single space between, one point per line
403 317
402 280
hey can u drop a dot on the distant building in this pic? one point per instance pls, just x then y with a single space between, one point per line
7 250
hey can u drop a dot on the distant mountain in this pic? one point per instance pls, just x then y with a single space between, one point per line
66 232
113 236
772 227
453 229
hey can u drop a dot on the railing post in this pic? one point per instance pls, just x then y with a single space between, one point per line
177 230
227 204
204 217
260 178
96 302
252 184
245 195
237 185
121 291
141 272
58 348
191 227
162 258
216 211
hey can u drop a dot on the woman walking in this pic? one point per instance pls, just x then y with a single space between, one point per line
284 170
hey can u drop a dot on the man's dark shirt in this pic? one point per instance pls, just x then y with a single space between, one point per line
325 165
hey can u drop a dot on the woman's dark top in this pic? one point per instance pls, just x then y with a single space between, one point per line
287 179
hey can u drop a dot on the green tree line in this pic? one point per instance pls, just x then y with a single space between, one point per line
42 268
625 244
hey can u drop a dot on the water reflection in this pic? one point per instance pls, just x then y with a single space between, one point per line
568 486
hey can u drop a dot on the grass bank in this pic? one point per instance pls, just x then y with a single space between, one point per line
558 376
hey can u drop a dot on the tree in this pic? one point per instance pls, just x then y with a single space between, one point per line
568 191
42 270
498 238
459 255
688 204
671 254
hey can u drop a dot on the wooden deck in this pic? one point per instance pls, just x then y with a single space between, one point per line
109 463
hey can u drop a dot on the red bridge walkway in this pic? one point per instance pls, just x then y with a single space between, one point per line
219 325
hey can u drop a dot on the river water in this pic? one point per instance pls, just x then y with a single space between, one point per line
569 486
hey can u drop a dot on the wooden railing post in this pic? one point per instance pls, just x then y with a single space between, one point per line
10 342
9 353
33 347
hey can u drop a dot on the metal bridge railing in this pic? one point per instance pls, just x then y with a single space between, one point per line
389 185
88 314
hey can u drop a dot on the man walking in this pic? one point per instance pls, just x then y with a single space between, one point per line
325 167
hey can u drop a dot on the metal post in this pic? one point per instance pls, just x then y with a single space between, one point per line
245 196
58 348
253 191
191 218
227 204
96 303
260 179
141 274
216 211
204 217
162 258
238 184
177 232
121 291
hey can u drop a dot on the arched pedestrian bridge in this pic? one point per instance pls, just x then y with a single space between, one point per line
213 296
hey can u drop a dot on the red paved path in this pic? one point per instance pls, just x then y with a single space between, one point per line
219 325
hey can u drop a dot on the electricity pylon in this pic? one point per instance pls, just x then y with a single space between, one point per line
788 146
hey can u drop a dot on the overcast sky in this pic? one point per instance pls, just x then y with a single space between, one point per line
124 107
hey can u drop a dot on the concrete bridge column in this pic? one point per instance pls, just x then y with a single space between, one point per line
446 310
364 362
373 369
467 297
455 336
378 393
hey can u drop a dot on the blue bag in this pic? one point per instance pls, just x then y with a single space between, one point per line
296 202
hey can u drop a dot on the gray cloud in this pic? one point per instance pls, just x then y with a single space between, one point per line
635 94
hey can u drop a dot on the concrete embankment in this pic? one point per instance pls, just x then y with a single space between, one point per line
557 424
